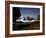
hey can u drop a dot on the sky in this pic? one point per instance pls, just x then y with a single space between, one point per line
33 12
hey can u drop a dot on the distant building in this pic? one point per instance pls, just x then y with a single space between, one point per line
25 19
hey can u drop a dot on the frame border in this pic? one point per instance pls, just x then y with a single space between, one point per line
7 18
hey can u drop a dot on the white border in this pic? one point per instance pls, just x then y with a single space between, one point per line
25 31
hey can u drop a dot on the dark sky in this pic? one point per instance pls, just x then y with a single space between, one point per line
33 12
